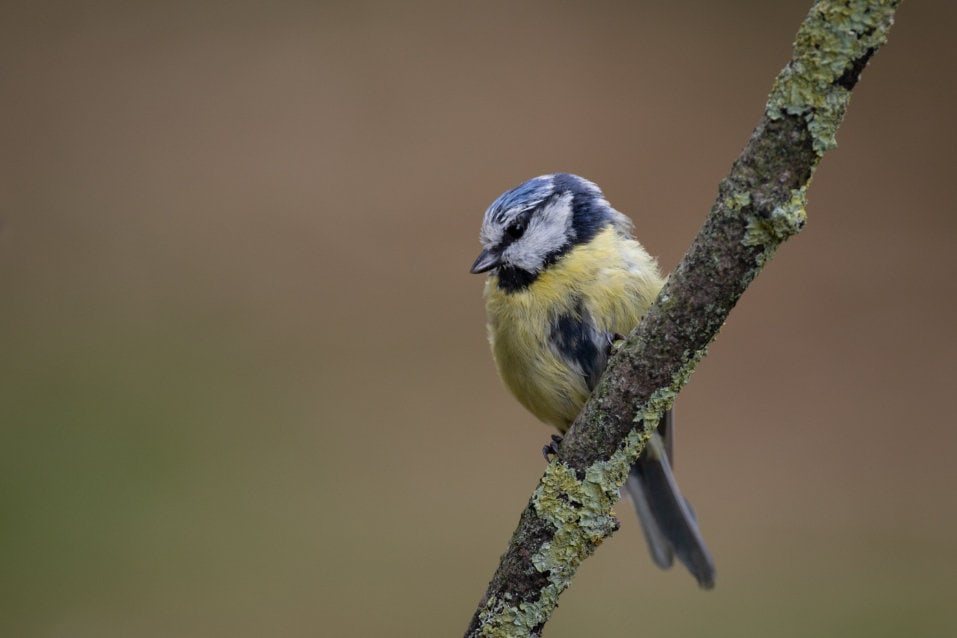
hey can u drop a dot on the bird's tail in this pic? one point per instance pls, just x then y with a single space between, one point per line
666 517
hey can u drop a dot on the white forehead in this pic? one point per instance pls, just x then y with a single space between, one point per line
509 205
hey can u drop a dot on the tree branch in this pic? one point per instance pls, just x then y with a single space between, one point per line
760 204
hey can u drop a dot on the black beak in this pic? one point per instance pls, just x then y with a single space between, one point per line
485 262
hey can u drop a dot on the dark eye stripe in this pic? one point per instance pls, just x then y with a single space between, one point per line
516 229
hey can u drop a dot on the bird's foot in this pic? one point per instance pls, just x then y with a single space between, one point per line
552 448
615 342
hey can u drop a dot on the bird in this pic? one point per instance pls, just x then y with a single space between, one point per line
565 280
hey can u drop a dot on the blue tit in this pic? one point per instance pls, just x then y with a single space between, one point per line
565 277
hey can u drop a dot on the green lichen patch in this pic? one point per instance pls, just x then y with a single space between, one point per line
783 222
650 412
581 513
580 510
836 38
737 201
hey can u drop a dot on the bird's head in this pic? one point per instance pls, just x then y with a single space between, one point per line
531 226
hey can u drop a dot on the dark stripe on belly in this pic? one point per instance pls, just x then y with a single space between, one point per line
579 343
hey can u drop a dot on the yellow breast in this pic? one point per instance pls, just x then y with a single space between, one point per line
611 279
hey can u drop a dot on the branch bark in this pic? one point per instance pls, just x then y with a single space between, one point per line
760 204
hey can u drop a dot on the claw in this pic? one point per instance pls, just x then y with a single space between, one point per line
615 342
552 448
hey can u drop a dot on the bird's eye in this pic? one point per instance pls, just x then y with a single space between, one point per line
516 229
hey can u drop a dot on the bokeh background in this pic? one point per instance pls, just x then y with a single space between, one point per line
244 383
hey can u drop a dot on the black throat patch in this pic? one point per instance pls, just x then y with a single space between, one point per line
512 279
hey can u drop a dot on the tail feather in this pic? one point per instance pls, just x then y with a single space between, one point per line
658 544
666 517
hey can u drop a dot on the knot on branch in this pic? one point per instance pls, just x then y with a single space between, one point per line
783 222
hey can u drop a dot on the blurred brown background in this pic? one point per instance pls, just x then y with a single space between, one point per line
244 383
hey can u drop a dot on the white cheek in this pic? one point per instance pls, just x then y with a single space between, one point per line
516 255
548 232
552 229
